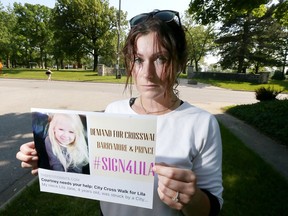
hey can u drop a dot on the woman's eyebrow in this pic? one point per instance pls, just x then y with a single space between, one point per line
165 53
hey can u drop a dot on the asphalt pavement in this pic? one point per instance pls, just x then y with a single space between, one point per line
19 96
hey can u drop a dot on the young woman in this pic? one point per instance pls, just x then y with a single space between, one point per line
188 166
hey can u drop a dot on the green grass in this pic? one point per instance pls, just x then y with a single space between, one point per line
92 76
246 86
33 202
269 117
66 75
251 187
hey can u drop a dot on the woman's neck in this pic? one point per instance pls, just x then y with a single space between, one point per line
149 106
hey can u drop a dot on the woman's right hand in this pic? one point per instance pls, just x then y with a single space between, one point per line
28 156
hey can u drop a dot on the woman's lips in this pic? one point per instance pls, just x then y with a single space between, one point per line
150 86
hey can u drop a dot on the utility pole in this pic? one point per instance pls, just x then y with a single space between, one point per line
118 75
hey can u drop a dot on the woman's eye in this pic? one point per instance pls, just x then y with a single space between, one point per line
161 60
138 60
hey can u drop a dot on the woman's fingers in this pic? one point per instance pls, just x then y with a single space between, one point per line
175 173
176 186
28 148
28 157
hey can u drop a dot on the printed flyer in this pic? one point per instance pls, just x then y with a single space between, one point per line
96 155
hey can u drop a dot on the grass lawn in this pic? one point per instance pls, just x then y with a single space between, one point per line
246 86
65 74
269 117
92 76
251 187
33 202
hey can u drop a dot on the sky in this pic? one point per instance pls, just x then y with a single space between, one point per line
133 7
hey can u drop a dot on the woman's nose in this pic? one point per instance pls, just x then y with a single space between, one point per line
149 69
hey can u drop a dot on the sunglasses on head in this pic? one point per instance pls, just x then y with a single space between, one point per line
164 15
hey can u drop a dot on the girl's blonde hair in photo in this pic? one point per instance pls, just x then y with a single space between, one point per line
77 151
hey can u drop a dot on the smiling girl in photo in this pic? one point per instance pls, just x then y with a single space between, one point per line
66 144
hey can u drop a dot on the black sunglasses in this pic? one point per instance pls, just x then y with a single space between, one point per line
164 15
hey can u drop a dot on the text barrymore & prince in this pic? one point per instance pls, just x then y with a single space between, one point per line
123 147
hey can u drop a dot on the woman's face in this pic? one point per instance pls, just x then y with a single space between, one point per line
150 63
64 133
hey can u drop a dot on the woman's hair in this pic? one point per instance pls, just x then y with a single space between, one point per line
171 36
77 151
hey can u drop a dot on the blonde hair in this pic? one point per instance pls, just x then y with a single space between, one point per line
77 151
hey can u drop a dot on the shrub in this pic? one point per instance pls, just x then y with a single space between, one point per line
278 75
269 117
265 94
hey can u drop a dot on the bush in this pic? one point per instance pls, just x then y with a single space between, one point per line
265 94
278 75
269 117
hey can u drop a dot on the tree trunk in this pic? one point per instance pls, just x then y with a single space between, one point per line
257 68
95 61
196 66
243 47
62 63
8 61
284 62
41 58
57 64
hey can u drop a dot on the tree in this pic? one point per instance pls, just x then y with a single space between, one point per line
199 42
268 51
89 26
33 31
239 35
281 14
212 11
7 23
236 40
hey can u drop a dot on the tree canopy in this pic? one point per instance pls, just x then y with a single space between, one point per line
89 26
73 31
251 33
32 31
199 41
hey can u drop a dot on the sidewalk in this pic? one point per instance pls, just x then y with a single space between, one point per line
270 151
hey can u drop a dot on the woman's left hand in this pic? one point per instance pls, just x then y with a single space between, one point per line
176 187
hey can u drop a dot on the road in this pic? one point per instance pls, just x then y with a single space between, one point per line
19 96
